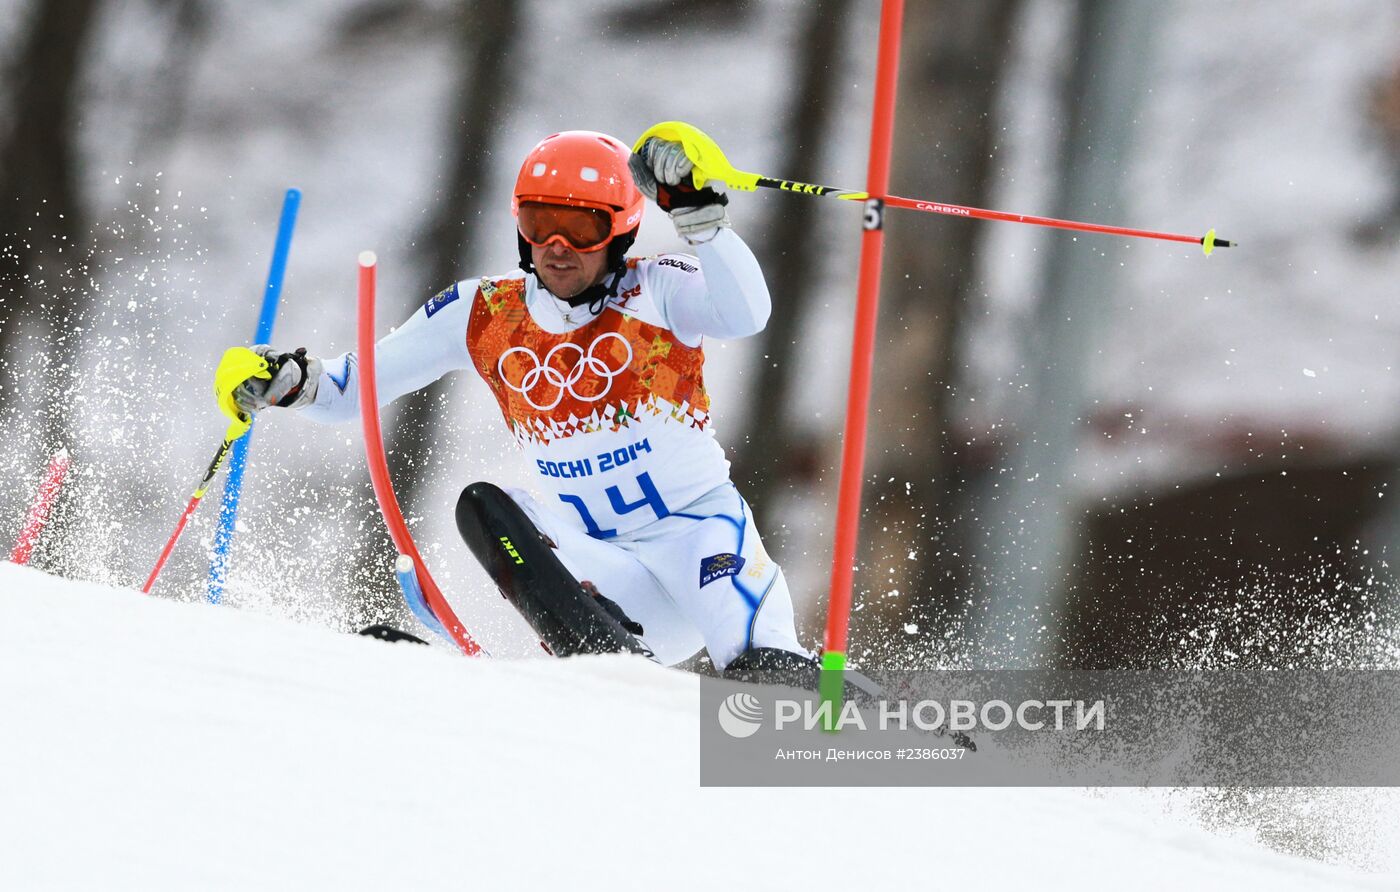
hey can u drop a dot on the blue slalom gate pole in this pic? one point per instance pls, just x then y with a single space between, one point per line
412 590
233 486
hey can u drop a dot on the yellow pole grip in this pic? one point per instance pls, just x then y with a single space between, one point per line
237 365
703 152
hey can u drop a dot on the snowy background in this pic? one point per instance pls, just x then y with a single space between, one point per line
1256 122
281 96
1257 119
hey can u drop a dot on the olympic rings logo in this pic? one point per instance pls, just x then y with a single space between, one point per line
542 372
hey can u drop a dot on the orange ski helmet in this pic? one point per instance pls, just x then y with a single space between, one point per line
575 187
581 168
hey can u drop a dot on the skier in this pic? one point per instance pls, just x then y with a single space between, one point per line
596 361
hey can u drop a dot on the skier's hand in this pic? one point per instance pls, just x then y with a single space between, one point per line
660 161
292 385
662 171
287 380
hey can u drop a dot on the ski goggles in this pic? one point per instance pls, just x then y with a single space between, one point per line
583 229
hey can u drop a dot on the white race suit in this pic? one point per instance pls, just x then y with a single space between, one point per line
611 409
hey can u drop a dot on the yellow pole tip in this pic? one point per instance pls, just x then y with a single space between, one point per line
1208 242
367 259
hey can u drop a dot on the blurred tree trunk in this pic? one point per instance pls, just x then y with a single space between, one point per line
650 18
487 34
775 457
1036 524
40 212
953 57
169 87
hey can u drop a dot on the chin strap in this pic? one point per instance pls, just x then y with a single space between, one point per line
596 296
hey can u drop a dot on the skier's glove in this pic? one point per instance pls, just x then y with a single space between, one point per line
287 380
662 172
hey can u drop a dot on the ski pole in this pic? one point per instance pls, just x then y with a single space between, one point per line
710 164
233 484
237 365
40 508
200 488
379 466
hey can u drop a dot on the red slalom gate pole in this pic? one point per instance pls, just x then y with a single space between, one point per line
862 360
40 508
379 465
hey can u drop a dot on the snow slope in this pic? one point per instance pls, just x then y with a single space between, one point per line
153 744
